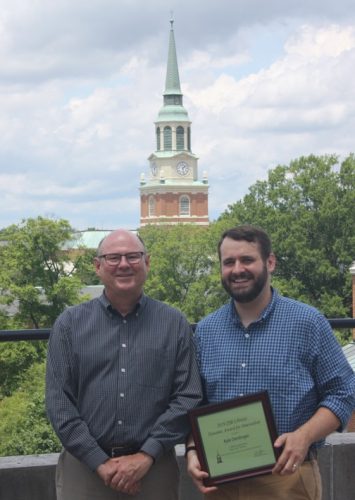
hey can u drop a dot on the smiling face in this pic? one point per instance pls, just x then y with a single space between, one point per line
244 274
122 281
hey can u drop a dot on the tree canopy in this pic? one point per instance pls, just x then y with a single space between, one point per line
308 209
184 268
37 278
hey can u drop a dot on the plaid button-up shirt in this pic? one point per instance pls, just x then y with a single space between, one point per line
290 351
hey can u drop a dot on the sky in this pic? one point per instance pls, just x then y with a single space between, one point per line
81 84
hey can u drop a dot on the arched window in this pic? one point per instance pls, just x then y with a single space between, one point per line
151 206
184 205
158 138
179 138
189 139
167 139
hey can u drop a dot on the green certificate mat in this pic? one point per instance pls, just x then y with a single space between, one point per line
235 439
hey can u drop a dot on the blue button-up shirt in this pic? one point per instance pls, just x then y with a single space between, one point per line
290 351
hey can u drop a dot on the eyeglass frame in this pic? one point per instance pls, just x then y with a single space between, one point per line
120 255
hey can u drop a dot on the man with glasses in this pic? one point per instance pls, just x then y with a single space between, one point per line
121 376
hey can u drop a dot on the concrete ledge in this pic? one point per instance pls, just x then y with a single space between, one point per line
32 477
336 462
28 477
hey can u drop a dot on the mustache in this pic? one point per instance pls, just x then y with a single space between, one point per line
243 275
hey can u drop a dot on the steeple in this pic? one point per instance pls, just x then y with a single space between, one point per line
172 194
172 108
172 81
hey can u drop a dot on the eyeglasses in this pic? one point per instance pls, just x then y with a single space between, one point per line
113 259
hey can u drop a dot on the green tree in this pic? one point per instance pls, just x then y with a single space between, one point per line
37 277
184 268
24 428
15 359
84 268
308 209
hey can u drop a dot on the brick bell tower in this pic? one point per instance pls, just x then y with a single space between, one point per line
172 193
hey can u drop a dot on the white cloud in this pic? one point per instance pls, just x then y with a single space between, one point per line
79 94
329 41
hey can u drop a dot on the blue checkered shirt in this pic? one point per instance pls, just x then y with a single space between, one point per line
290 351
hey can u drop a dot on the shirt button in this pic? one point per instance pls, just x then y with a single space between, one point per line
247 335
120 422
121 395
124 321
244 365
123 370
241 394
124 345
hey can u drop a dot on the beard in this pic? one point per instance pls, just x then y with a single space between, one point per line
249 294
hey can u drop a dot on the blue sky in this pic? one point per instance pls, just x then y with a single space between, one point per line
81 84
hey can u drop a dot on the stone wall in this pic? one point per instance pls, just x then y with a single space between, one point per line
32 477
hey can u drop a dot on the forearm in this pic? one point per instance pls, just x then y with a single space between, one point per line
172 426
71 430
295 445
76 438
168 431
323 423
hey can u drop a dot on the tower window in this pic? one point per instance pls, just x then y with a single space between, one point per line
173 100
151 206
179 138
189 139
167 139
158 138
184 205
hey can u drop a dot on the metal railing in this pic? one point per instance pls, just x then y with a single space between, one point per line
43 333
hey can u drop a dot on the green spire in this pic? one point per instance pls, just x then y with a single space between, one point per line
172 82
173 109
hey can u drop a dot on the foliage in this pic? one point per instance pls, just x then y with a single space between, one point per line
84 268
15 359
24 429
184 268
308 209
37 277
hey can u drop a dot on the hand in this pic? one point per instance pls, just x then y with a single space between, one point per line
295 447
106 471
129 470
197 475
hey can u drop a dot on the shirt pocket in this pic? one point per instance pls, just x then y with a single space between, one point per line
155 368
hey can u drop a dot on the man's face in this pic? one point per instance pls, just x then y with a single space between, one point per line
244 274
124 278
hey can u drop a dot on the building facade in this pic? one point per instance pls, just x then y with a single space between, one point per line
172 193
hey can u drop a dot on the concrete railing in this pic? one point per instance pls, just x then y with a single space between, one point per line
32 477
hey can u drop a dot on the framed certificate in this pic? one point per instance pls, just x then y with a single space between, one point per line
234 439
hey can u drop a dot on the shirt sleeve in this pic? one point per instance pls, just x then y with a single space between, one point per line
61 404
334 377
172 426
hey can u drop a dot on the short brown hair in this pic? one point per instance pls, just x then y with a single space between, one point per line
252 234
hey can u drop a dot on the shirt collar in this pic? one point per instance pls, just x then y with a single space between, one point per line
265 313
108 306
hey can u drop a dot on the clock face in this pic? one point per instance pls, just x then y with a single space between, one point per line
182 168
154 168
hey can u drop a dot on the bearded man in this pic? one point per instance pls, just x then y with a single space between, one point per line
261 341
